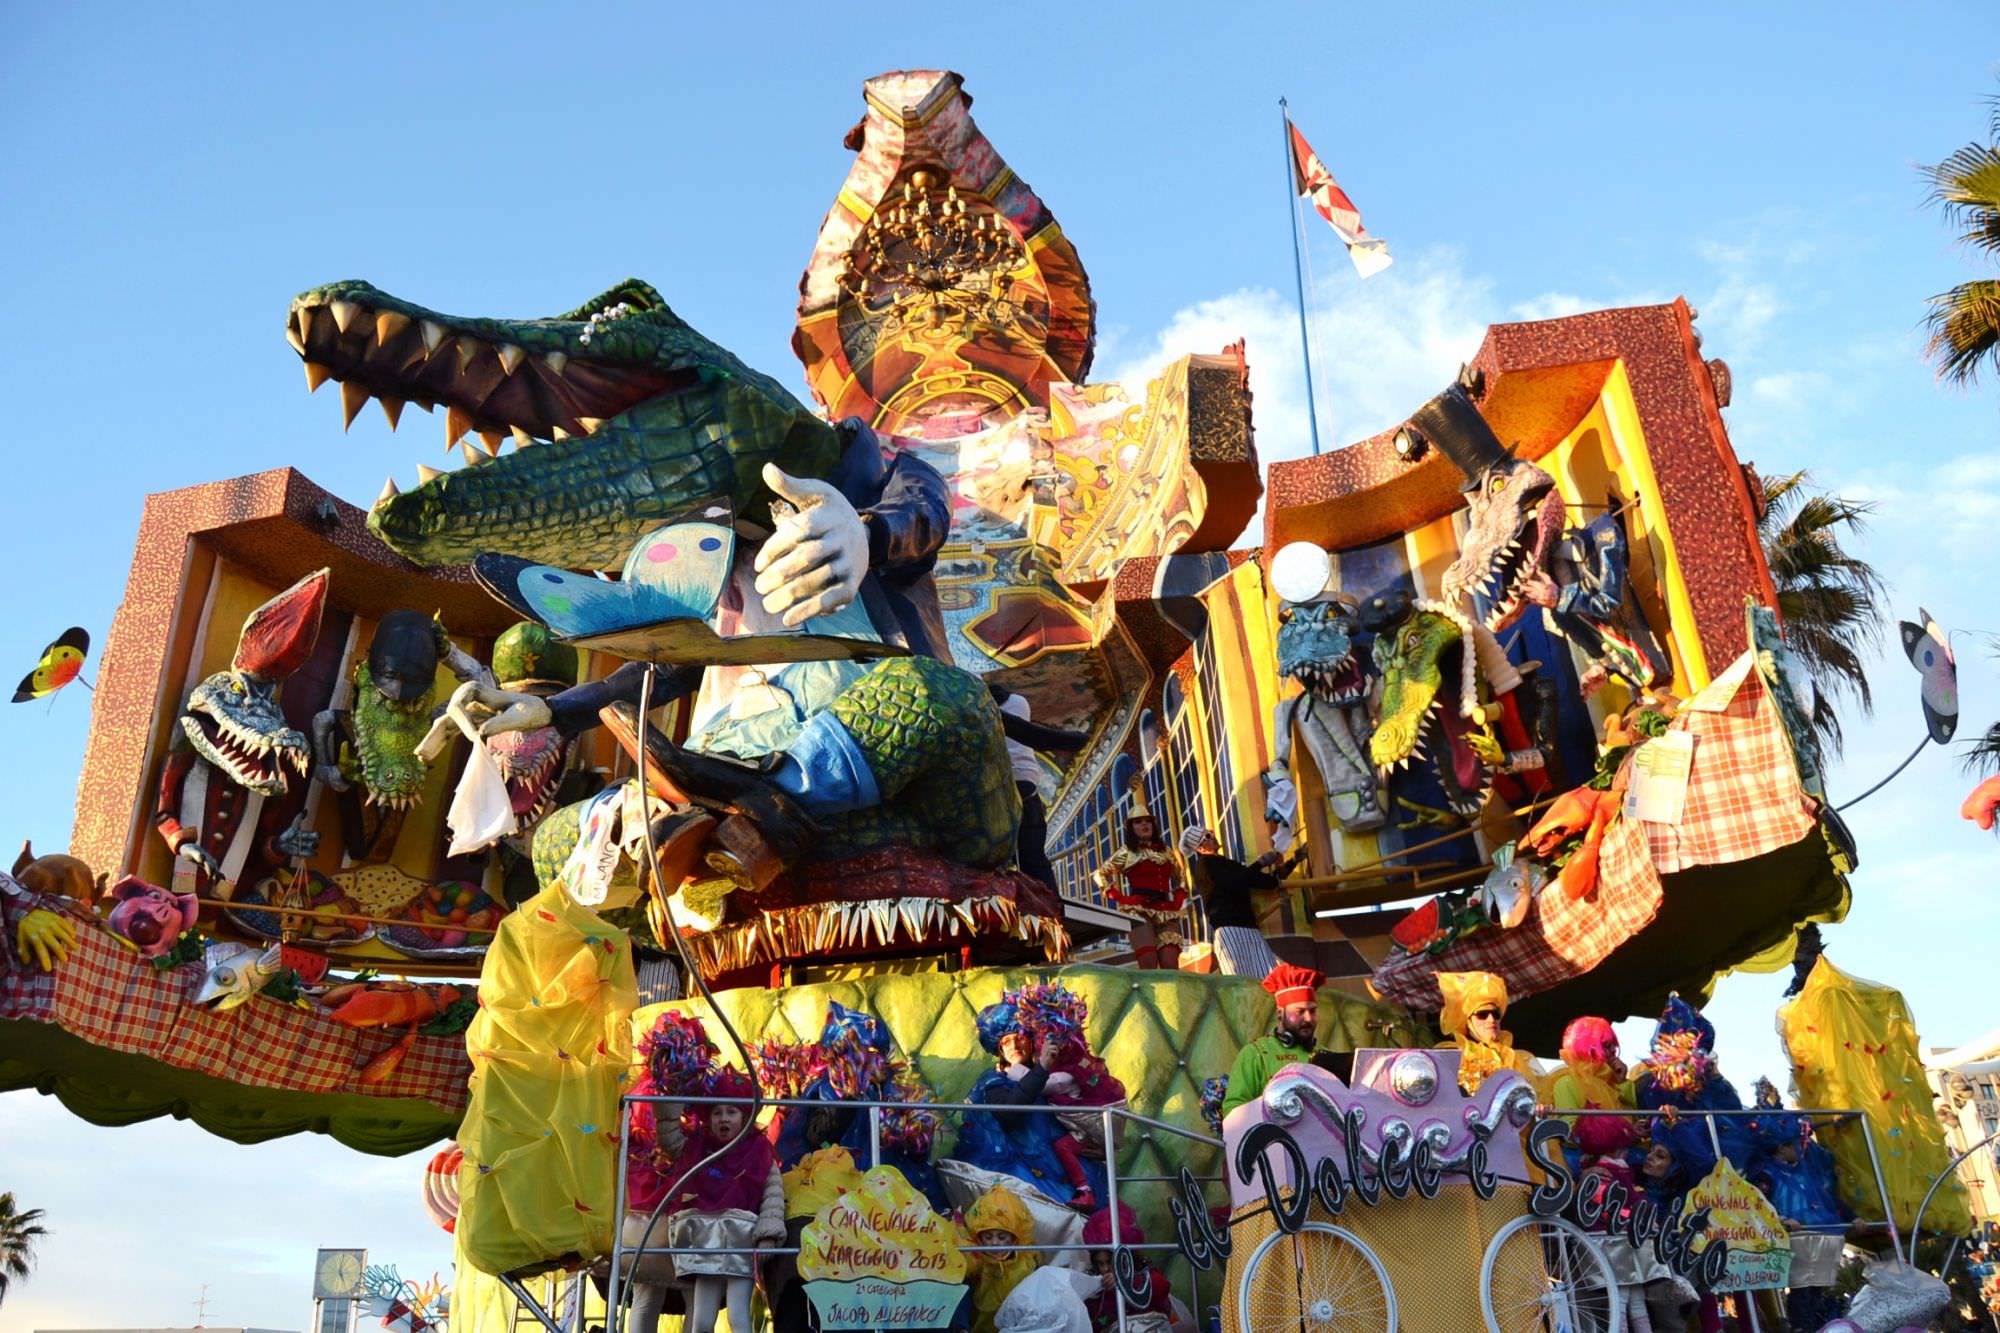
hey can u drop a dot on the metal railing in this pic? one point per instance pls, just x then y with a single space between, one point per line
623 1256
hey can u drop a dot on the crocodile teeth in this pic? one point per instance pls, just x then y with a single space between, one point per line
492 439
555 361
343 313
558 433
426 474
590 424
433 335
305 322
298 343
473 456
522 439
456 423
389 323
352 399
468 348
392 408
510 356
316 375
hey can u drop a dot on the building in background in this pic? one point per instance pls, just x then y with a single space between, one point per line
1966 1083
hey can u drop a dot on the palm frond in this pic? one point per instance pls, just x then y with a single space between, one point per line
1964 326
1831 601
1982 755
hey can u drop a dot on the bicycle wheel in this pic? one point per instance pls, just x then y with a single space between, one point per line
1546 1275
1323 1280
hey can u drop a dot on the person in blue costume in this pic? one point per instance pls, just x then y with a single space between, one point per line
1680 1075
1021 1145
858 1043
1797 1175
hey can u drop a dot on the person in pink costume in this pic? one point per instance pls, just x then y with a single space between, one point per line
1152 1315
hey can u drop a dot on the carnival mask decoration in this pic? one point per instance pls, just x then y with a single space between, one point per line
232 719
150 918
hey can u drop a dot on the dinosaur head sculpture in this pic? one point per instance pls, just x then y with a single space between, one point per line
1429 674
1316 648
232 718
1514 515
622 416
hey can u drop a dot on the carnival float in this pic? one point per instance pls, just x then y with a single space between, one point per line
653 779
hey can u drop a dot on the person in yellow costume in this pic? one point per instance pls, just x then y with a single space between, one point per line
1474 1005
997 1218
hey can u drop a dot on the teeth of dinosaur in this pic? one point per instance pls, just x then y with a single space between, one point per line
389 492
510 356
316 375
492 439
426 474
343 313
522 439
389 323
392 408
555 361
352 399
468 347
558 433
473 456
456 423
590 424
306 313
298 343
433 335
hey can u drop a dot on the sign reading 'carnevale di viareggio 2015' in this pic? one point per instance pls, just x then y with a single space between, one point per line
877 1256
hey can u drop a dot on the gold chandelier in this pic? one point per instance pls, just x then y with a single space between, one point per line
929 266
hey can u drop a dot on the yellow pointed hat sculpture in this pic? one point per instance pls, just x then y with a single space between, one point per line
1852 1044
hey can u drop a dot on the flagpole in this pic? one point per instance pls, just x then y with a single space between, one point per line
1298 267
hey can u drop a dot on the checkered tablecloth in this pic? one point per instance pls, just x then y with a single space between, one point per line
1743 800
107 995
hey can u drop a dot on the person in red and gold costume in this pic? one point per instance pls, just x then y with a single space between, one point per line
1144 879
226 802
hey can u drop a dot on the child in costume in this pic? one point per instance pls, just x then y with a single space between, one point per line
735 1202
1152 1315
997 1218
1797 1175
1144 878
1027 1145
1601 1144
1474 1005
853 1060
1664 1180
1680 1074
1592 1078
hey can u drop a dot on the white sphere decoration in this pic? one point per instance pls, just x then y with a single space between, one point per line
1301 571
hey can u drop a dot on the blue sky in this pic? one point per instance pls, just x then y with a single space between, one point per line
175 174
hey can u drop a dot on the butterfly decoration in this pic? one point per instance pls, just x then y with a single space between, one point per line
1929 652
661 605
61 661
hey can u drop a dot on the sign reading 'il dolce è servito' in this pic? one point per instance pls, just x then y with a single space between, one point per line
877 1256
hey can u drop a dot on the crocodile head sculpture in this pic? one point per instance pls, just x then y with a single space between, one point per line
621 414
1316 648
233 720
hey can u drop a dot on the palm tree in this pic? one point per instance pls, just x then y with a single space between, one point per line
1830 601
1964 322
18 1233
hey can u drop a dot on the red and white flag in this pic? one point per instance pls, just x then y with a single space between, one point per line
1310 177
